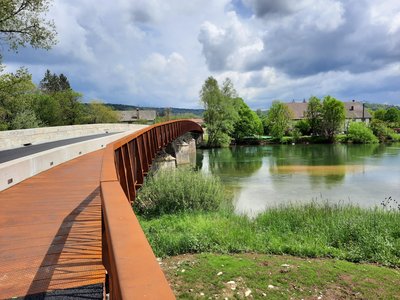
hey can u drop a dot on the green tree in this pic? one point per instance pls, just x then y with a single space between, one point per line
72 110
23 22
24 119
380 114
52 83
63 83
228 89
58 87
303 127
263 118
100 113
381 130
314 115
359 133
47 109
16 91
248 122
219 114
392 115
333 116
278 119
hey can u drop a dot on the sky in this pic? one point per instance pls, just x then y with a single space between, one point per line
160 52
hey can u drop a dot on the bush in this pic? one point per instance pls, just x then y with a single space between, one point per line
180 190
296 134
359 133
395 137
304 127
341 138
286 140
380 130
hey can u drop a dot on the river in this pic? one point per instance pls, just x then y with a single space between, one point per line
265 176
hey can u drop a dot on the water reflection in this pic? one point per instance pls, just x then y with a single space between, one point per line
264 176
237 162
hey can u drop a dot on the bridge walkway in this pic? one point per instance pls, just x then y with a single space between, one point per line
50 230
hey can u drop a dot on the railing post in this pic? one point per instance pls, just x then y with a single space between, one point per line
148 148
121 170
139 163
133 162
129 172
143 154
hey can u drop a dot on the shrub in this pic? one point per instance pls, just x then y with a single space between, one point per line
304 127
296 134
180 190
286 140
359 133
341 138
395 137
380 130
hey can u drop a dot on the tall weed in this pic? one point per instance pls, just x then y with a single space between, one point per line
179 190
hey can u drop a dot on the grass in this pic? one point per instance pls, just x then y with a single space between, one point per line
281 254
211 276
312 230
179 190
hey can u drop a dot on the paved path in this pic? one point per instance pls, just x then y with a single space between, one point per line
50 230
7 155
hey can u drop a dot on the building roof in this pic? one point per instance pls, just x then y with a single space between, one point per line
133 115
147 114
354 110
298 109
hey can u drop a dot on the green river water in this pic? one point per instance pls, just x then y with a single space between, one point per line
265 176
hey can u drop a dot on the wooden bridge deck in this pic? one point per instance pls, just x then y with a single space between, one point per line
50 230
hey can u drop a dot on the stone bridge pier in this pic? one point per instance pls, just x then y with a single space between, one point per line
182 151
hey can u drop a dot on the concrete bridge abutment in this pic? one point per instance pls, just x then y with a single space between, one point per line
181 151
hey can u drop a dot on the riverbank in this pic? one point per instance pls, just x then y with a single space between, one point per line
303 251
311 230
339 139
256 276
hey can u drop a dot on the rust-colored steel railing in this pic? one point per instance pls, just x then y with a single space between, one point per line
133 272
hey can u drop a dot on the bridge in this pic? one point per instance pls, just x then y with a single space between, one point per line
70 231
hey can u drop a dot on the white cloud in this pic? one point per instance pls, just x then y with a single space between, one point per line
153 52
229 47
386 13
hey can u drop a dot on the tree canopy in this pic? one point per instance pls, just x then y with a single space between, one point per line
16 109
220 115
55 103
248 122
23 22
332 117
278 119
392 115
100 113
314 115
52 83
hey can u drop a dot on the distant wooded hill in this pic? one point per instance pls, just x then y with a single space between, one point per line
160 110
376 106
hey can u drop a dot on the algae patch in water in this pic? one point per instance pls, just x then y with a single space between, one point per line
319 170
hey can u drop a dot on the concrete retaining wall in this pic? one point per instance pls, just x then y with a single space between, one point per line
15 171
17 138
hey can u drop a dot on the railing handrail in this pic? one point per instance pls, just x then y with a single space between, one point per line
127 256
